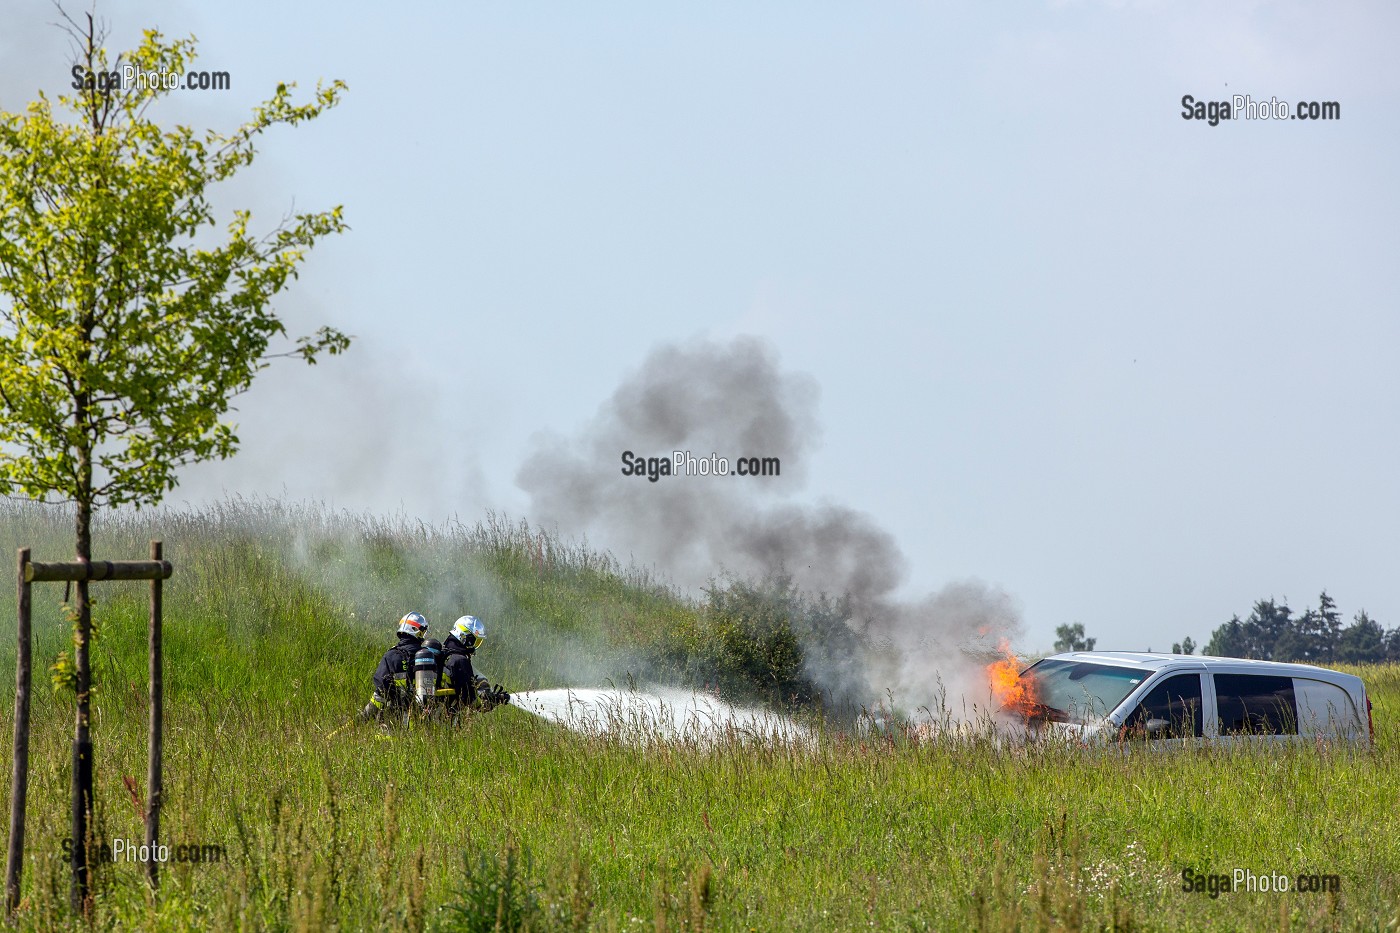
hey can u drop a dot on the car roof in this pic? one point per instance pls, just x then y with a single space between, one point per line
1147 660
1156 661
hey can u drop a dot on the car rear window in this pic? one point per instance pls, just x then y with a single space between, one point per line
1325 709
1256 704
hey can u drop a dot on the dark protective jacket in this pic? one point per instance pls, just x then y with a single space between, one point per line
393 679
458 674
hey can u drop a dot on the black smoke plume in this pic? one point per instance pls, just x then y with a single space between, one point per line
733 399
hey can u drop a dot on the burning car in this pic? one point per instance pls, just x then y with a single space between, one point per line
1176 698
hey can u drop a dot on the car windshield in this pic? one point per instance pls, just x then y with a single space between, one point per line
1078 691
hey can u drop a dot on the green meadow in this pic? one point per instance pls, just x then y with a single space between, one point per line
277 614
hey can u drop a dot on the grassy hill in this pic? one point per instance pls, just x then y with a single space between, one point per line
276 616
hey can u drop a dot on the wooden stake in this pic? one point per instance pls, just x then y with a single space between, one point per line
19 781
154 789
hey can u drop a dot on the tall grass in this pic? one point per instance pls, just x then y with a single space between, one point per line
276 615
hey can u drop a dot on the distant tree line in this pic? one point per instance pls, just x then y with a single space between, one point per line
1273 633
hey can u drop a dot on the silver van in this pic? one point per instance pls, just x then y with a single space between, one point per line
1178 697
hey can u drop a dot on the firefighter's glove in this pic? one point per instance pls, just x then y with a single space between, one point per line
491 698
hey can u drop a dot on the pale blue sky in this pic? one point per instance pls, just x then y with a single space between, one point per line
1135 370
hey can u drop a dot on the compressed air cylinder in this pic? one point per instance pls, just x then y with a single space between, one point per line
425 674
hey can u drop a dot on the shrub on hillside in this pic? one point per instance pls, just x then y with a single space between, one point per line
766 639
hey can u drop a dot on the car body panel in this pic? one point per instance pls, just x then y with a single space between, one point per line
1329 705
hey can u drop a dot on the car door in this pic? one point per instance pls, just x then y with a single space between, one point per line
1171 713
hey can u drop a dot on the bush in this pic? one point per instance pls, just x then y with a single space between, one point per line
766 640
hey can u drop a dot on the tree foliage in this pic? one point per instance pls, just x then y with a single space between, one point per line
1186 646
1273 633
1365 641
1071 638
126 324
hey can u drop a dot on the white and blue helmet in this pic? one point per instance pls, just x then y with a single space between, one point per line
469 631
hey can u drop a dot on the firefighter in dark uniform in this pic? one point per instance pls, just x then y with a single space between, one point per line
393 689
469 689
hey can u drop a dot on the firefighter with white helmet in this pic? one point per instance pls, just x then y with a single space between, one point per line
469 689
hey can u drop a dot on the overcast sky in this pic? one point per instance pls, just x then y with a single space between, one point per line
1135 370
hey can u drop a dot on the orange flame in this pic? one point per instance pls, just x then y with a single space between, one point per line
1012 692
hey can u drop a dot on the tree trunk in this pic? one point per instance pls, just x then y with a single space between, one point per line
82 661
82 732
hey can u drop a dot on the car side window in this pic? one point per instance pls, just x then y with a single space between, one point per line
1171 710
1256 704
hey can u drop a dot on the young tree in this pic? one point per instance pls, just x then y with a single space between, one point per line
1071 638
127 323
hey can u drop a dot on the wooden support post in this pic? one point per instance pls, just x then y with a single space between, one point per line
154 790
82 571
19 781
99 570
